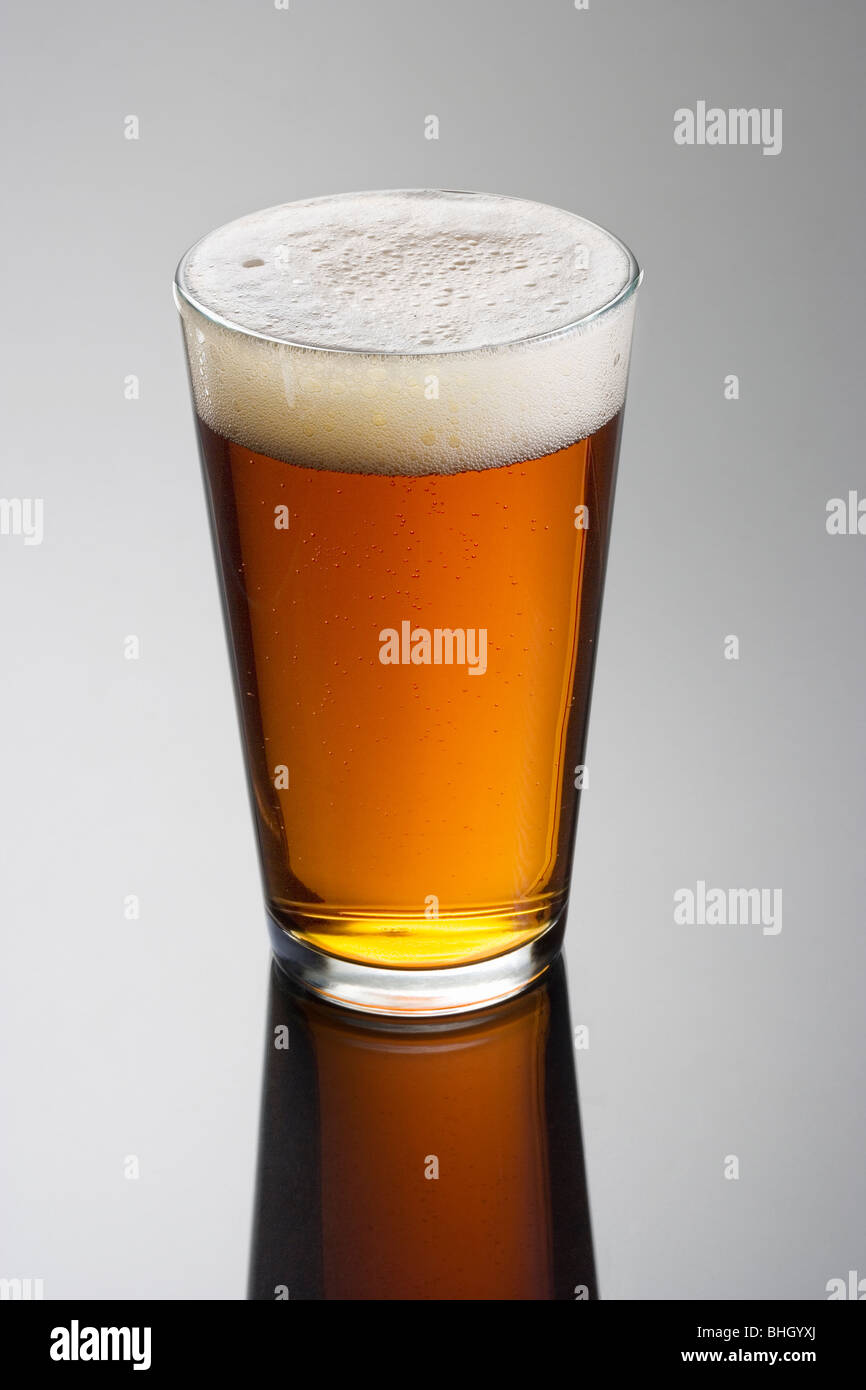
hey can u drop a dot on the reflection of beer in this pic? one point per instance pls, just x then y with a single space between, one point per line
412 546
407 1162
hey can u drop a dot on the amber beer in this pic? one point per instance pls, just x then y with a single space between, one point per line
412 585
408 781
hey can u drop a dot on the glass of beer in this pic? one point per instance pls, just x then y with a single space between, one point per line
409 408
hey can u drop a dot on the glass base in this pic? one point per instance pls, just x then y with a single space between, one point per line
416 993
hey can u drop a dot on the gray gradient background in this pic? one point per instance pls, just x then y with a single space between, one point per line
122 777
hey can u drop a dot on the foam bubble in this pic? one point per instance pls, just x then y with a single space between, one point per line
408 332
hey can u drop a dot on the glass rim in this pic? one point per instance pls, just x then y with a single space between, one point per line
632 284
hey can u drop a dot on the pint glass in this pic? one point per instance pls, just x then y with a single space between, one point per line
409 408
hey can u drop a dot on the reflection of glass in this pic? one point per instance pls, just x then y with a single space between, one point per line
409 409
359 1114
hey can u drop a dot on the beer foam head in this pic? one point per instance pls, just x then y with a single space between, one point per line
407 332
